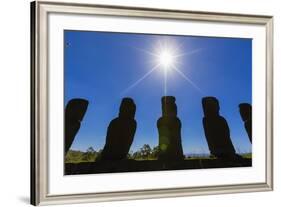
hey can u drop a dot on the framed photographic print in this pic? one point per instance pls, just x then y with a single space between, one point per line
134 103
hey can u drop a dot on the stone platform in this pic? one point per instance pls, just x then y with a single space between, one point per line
151 165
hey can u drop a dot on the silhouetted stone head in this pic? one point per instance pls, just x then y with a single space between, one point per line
216 130
246 115
245 111
127 108
120 133
211 106
74 113
169 107
76 109
169 130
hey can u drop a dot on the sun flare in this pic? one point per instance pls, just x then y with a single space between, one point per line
166 56
166 60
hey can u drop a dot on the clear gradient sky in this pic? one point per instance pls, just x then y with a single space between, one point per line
100 66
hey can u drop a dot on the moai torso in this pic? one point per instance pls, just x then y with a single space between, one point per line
216 130
246 115
169 129
74 113
120 133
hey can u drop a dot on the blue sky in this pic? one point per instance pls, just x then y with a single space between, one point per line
100 66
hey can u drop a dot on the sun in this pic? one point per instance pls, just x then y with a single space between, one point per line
166 56
166 60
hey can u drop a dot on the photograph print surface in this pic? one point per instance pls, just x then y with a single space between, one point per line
147 102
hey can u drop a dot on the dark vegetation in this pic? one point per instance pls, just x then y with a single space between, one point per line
145 162
144 153
91 155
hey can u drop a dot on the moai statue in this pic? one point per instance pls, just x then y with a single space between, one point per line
246 115
169 129
74 113
120 133
216 130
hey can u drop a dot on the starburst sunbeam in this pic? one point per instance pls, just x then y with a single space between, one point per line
188 80
145 51
165 56
189 53
140 80
165 83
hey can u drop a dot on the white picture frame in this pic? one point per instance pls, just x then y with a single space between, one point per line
49 186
